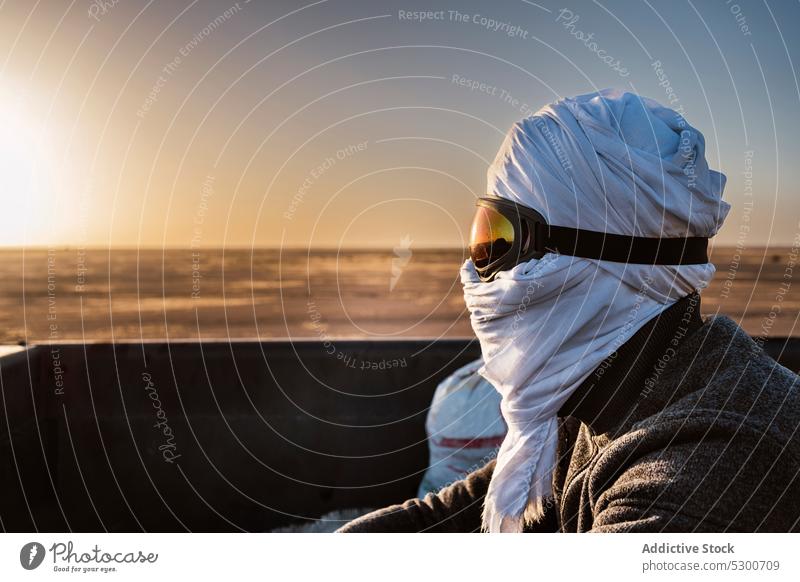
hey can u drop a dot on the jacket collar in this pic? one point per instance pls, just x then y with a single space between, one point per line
606 398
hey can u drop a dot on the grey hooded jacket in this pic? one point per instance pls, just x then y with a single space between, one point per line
690 428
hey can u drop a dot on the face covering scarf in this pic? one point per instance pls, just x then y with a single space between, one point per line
608 161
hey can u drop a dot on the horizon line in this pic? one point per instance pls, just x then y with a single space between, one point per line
288 248
319 248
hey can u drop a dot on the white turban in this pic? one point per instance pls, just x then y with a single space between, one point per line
608 161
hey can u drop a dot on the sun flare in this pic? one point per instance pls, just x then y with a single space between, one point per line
25 170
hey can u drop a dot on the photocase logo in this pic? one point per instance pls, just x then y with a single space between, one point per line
31 555
402 255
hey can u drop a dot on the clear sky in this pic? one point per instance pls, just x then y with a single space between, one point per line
347 123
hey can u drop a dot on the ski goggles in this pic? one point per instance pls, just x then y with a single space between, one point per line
505 234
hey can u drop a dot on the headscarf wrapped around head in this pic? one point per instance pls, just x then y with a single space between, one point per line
609 161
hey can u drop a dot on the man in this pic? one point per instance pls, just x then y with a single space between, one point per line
625 410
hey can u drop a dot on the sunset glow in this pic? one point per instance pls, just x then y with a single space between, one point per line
356 124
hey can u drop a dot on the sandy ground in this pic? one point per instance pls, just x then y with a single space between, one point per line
124 294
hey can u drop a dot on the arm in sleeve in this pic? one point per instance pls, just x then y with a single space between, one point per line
456 508
729 482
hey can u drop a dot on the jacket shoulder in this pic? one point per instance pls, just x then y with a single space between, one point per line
723 454
730 381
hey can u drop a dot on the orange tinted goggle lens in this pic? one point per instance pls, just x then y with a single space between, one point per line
491 237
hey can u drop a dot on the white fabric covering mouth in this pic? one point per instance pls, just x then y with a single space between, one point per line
609 161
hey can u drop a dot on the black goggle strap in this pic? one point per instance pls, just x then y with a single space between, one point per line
619 248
